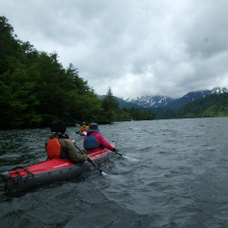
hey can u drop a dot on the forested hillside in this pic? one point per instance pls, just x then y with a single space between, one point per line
36 89
211 106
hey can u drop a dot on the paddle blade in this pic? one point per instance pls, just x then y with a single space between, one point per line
130 158
113 177
127 157
103 173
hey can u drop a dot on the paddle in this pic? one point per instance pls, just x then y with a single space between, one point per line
101 172
121 155
81 133
127 157
124 156
109 176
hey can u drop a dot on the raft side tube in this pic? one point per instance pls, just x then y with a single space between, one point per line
48 172
25 182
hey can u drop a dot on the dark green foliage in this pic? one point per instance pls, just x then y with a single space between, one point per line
109 102
36 89
110 106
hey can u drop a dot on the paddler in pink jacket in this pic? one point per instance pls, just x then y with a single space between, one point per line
94 141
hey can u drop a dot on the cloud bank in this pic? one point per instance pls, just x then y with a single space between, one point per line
145 47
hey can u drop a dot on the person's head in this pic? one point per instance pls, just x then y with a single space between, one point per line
58 126
83 123
93 127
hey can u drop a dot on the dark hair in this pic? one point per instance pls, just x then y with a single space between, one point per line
58 126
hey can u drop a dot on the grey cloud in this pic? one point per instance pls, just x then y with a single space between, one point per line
135 47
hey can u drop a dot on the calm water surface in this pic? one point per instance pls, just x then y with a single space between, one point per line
179 179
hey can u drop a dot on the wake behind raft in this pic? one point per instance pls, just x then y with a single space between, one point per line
47 172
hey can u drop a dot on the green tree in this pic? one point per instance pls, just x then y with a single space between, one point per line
110 107
36 89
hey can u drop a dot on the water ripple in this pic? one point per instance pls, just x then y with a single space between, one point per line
179 178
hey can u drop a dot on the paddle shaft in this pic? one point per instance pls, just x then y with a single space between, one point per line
118 153
89 161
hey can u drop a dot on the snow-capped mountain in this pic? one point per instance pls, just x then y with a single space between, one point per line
170 103
194 96
151 101
219 90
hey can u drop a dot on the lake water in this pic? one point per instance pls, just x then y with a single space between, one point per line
180 178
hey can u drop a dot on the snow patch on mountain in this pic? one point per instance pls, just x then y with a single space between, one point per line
151 101
166 101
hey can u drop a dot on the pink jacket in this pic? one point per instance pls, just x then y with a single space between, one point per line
101 141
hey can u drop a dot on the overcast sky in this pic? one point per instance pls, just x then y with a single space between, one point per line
136 47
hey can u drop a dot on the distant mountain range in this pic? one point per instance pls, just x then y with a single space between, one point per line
165 102
153 102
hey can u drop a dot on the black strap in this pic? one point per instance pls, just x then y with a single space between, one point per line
21 167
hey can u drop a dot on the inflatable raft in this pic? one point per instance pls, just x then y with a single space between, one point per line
50 171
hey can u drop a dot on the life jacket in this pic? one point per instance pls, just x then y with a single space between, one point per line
91 143
55 150
84 128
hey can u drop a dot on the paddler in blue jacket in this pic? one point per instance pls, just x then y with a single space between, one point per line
94 141
59 145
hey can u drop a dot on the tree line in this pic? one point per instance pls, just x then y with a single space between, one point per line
36 89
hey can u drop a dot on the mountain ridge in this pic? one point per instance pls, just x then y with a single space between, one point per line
160 104
173 103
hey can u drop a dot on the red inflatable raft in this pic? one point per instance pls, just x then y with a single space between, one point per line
56 169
